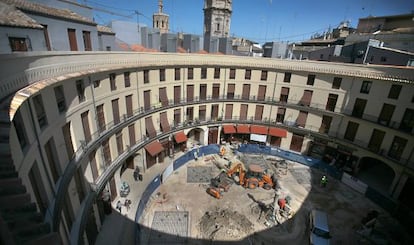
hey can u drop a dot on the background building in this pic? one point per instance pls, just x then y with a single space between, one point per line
217 16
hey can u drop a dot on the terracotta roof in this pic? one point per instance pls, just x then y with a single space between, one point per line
202 51
105 29
140 48
181 50
36 8
10 16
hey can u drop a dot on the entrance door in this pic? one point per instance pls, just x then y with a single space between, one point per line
212 135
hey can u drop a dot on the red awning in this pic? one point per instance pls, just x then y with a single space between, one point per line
180 137
243 129
154 148
229 129
256 129
278 132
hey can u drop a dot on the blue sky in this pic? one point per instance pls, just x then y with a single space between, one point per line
257 20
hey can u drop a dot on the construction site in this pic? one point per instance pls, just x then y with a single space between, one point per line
239 198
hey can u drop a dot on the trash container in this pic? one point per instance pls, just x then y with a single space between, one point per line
140 177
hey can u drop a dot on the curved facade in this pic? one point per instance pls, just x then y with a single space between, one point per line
72 121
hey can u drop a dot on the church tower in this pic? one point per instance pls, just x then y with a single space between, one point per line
217 15
160 20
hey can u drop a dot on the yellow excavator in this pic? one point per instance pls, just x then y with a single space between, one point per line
255 176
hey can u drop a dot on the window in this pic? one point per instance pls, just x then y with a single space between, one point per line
263 76
248 74
203 73
203 91
386 114
52 158
47 40
162 75
40 111
407 122
301 120
112 81
119 143
101 118
280 117
177 74
60 98
85 126
230 90
115 111
106 152
376 140
311 80
216 91
73 44
96 83
351 131
394 91
87 40
325 125
127 80
331 104
216 73
284 94
232 73
128 105
81 90
397 147
366 86
190 73
336 84
18 44
146 76
359 107
20 129
306 98
286 79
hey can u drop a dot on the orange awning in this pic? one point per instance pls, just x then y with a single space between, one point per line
180 137
154 148
278 132
229 129
256 129
243 129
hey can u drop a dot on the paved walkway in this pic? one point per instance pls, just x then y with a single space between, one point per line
120 229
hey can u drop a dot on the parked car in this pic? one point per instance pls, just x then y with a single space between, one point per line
319 228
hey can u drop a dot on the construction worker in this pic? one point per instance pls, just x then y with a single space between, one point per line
324 181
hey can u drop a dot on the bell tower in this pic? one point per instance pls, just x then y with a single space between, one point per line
160 20
217 16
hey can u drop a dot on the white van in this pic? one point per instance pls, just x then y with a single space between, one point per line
319 228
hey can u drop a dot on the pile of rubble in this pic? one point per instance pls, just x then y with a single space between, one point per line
224 224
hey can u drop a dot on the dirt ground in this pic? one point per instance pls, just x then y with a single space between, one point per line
183 208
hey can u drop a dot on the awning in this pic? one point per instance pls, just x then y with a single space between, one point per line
154 148
229 129
257 129
278 132
180 137
243 129
165 125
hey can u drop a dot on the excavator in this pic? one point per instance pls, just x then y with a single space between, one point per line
219 184
255 176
